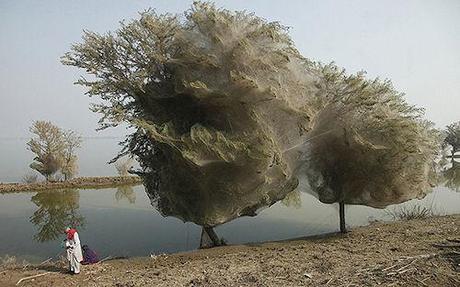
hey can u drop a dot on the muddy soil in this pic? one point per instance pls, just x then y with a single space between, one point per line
422 252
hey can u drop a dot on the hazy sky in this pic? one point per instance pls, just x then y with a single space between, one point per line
416 44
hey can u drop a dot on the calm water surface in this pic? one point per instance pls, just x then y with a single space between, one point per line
122 222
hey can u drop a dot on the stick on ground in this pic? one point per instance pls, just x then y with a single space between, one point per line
30 277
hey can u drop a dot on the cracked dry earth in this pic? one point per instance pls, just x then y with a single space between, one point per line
423 252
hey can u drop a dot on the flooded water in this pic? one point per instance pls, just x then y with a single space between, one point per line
121 222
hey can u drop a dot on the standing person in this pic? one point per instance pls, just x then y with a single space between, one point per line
73 247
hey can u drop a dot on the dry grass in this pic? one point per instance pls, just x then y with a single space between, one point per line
11 262
405 253
412 212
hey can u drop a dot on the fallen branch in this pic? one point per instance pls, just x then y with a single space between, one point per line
404 271
105 259
404 267
31 277
421 281
46 261
388 268
422 256
447 245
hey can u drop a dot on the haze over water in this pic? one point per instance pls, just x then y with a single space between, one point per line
93 157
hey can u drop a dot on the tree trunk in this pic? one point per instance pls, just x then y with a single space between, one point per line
343 227
209 238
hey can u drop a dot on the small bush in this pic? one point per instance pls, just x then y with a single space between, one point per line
411 212
11 262
123 166
7 260
30 178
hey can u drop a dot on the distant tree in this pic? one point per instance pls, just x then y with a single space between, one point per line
125 192
452 176
30 178
292 199
123 166
54 149
72 141
453 137
48 146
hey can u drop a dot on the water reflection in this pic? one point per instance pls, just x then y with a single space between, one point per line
452 176
56 210
104 216
125 192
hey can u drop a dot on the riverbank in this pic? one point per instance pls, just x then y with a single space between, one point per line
79 182
423 252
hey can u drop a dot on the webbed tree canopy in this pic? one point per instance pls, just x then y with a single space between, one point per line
229 116
368 146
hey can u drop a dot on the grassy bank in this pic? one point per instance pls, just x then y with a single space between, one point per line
420 252
79 182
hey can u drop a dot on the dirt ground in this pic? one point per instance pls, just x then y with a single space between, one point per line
422 252
79 182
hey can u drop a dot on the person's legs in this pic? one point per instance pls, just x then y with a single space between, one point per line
73 265
69 259
71 269
77 268
76 265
